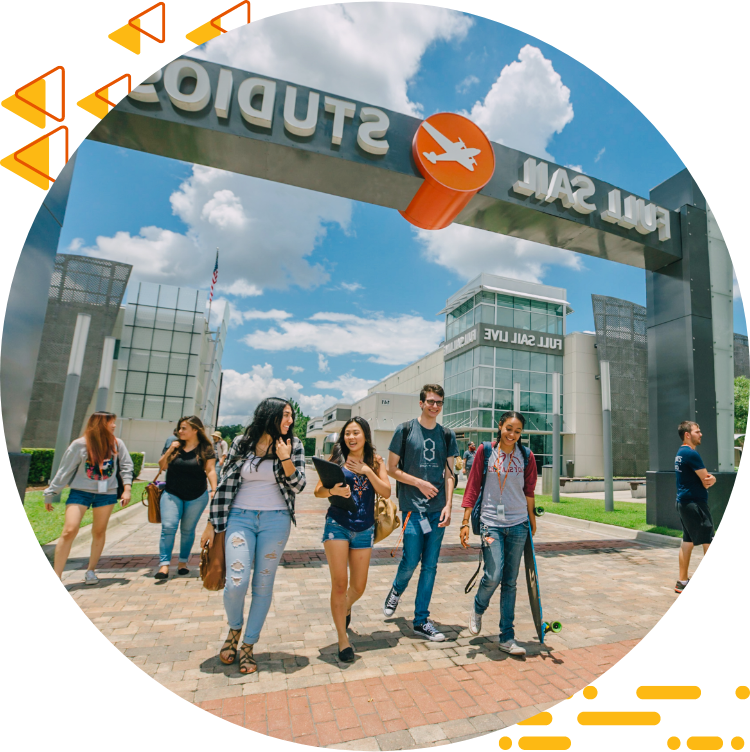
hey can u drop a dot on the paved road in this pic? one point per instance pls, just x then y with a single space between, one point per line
402 692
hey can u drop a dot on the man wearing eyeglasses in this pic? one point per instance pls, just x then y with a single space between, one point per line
420 458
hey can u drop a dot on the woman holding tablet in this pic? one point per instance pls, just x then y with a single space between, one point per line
349 533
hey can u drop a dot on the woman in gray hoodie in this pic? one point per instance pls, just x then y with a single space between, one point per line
90 466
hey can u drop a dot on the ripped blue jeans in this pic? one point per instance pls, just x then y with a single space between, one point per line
254 542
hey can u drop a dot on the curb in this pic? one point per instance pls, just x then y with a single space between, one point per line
621 532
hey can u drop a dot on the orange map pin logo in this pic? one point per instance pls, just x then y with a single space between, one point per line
457 160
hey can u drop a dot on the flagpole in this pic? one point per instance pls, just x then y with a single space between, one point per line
210 364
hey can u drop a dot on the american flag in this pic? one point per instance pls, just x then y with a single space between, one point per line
215 276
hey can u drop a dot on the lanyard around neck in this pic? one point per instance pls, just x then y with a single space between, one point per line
498 466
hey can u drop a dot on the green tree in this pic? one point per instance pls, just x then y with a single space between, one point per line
741 394
300 420
229 432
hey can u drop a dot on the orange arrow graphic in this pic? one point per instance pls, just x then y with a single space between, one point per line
37 157
213 29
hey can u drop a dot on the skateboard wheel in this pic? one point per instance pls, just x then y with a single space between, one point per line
556 627
538 511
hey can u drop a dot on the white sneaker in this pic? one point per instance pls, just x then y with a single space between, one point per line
91 578
429 631
475 622
512 647
391 603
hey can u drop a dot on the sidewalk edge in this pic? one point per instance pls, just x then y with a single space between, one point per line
621 532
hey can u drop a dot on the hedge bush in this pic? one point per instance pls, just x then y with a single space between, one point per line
41 464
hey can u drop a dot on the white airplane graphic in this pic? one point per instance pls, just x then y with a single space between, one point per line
453 152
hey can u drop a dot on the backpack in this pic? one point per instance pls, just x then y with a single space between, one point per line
405 437
476 512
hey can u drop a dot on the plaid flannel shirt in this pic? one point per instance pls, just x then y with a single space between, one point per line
230 480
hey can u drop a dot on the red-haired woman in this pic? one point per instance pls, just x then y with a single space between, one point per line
90 466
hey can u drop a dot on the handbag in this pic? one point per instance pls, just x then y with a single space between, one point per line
213 567
386 518
151 498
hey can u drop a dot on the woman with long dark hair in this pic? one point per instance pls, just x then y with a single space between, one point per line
190 462
254 503
506 514
90 466
348 536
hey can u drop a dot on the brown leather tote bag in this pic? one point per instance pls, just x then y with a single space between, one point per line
151 498
213 564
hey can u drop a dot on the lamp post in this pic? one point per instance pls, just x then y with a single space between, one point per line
105 374
556 420
609 494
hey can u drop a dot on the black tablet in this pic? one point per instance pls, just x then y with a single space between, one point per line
330 475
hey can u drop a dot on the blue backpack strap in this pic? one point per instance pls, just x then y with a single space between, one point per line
526 454
476 512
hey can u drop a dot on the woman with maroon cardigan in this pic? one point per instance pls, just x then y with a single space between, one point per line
507 510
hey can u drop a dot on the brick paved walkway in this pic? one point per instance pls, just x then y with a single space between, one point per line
401 692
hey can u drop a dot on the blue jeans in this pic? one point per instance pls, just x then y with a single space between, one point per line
502 559
254 542
174 512
425 547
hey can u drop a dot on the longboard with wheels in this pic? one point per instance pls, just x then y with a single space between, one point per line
532 582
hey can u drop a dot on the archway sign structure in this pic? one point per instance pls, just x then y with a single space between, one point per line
434 172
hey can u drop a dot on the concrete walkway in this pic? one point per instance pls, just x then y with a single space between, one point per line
401 692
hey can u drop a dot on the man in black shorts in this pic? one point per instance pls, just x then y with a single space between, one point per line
693 482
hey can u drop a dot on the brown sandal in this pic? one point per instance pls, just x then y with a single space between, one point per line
248 664
230 647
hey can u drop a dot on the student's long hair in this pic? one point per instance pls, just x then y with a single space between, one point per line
509 415
267 419
204 443
370 457
101 443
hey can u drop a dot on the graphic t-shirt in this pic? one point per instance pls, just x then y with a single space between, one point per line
186 476
363 495
689 485
425 458
506 507
469 459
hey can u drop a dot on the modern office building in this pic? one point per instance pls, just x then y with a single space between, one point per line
741 356
169 364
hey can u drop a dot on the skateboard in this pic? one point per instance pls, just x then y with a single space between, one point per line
532 582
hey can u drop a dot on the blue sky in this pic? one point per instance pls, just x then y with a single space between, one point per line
347 293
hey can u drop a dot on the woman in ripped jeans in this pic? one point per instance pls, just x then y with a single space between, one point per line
254 504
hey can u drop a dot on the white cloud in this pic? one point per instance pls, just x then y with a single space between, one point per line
366 51
576 167
75 245
468 251
389 340
248 219
600 154
273 314
295 369
526 105
351 387
323 363
466 84
352 286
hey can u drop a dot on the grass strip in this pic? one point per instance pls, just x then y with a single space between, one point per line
628 514
47 526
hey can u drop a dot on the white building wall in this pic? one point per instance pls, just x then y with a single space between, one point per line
410 380
384 411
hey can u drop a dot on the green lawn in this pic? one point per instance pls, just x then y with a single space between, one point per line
48 525
627 514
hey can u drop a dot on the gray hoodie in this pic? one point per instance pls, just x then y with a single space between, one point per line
75 471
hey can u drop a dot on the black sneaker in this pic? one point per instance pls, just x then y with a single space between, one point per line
391 603
680 586
429 631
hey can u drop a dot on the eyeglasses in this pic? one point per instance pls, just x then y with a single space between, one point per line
434 403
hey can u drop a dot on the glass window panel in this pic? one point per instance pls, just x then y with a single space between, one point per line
503 399
525 401
475 356
159 362
559 327
465 401
485 419
120 378
487 356
195 364
538 362
132 406
142 338
503 358
129 318
153 407
450 405
138 360
551 325
172 408
503 378
186 299
522 304
123 358
486 314
558 309
181 342
538 382
168 296
176 386
537 402
145 315
156 384
188 407
162 340
450 330
201 301
521 360
549 405
164 318
488 297
183 321
469 319
148 294
485 376
117 403
554 363
505 300
484 397
504 317
539 305
136 382
536 443
521 319
522 378
450 367
127 336
199 324
178 364
191 384
538 322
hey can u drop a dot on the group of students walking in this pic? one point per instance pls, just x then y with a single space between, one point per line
252 500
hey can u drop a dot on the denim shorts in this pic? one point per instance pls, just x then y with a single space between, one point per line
362 539
89 499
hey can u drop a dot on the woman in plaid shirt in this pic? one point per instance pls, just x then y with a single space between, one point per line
254 504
